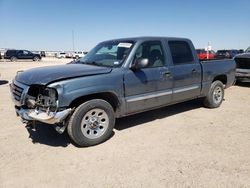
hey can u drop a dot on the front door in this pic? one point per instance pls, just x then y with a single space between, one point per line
151 86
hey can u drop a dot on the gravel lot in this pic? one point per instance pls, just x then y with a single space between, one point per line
184 145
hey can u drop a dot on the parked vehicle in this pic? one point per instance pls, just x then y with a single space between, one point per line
203 55
15 55
77 55
118 78
226 54
42 54
241 51
61 55
243 66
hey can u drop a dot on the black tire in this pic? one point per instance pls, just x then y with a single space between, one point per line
13 59
36 58
215 95
77 57
82 127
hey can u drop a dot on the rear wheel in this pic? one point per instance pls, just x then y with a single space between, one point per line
92 123
215 95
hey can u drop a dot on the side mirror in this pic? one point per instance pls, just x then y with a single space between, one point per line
140 63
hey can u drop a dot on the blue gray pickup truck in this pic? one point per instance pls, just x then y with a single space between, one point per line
118 78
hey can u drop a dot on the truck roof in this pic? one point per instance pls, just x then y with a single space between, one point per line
143 38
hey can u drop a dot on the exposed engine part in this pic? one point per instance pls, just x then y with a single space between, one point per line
42 97
31 103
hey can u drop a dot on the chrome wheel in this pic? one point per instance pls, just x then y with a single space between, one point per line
217 94
94 123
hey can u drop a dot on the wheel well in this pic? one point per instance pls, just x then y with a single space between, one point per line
222 78
109 97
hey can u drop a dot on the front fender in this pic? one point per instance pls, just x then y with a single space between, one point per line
69 90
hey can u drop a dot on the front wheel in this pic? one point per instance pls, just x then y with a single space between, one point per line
92 123
36 59
215 95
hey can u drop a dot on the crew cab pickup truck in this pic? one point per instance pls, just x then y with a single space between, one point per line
115 79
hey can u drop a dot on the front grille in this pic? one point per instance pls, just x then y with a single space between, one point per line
243 63
17 92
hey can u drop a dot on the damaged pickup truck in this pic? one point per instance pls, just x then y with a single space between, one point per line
116 79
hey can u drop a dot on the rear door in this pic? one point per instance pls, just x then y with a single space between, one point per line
19 54
185 70
24 54
27 54
151 86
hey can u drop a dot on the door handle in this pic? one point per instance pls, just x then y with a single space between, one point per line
194 71
166 74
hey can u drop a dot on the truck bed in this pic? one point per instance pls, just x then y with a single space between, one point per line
218 68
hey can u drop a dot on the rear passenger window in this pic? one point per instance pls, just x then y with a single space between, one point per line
181 52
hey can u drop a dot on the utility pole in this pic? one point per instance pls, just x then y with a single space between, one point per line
208 49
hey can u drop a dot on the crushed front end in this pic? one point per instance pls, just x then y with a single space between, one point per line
38 103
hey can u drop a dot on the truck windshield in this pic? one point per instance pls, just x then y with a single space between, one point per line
108 54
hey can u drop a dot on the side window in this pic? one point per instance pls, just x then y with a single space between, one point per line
181 52
20 52
26 52
152 50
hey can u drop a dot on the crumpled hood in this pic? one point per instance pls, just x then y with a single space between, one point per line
46 75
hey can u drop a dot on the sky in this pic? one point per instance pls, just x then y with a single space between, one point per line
51 24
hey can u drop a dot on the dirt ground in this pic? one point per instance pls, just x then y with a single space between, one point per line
184 145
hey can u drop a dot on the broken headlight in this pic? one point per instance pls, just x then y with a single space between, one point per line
41 96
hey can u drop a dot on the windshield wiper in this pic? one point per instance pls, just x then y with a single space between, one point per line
89 63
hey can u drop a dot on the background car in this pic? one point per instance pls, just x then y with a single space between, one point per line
202 54
226 54
241 51
42 53
77 55
243 66
61 55
14 55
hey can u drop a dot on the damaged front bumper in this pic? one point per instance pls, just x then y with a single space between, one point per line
49 118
